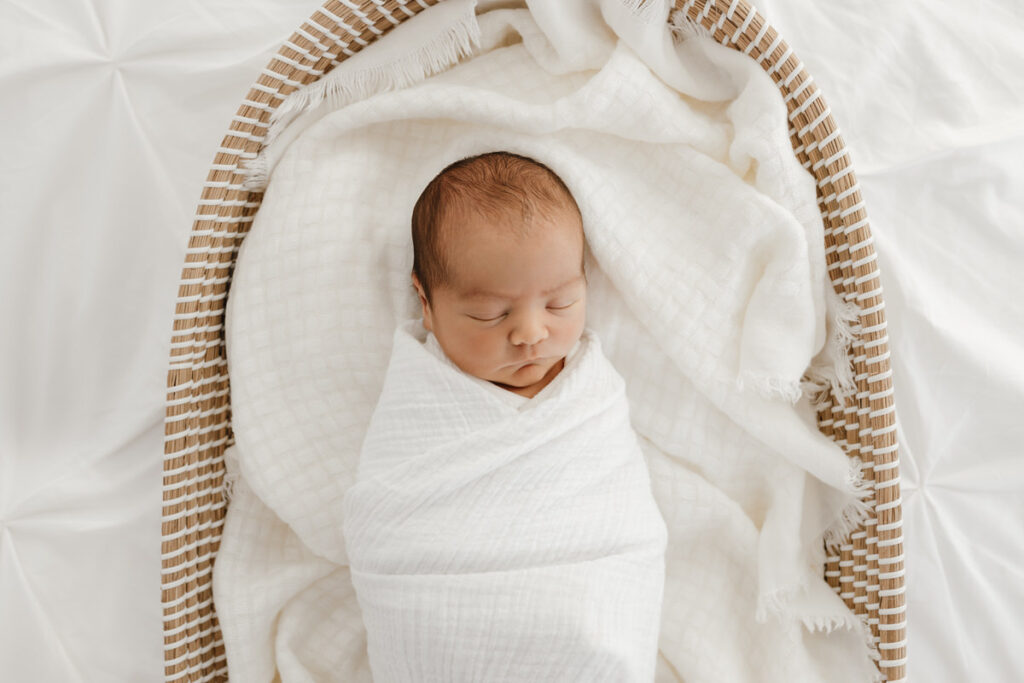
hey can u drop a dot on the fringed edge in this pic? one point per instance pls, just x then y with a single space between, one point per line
646 11
850 519
857 513
445 50
683 27
771 388
831 372
776 602
255 172
855 622
231 475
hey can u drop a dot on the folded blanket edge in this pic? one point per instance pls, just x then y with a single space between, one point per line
783 602
458 38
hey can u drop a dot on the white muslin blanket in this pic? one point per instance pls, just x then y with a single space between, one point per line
489 543
708 292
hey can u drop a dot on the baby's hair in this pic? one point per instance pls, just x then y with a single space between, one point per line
489 185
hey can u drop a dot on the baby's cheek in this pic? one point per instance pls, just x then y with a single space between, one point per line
484 346
579 323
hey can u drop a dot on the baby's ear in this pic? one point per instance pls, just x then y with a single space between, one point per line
419 288
423 302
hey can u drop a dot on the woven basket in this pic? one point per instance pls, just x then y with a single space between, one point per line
868 572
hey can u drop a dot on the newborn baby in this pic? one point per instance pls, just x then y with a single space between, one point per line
502 525
498 266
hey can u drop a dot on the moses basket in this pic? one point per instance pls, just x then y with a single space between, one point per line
868 572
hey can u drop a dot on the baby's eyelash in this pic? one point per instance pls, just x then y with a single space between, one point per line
491 320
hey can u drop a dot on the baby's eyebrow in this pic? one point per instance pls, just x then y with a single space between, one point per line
477 293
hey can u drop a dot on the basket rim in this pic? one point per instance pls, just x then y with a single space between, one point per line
198 413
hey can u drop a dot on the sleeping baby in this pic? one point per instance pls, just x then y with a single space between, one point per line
498 266
502 525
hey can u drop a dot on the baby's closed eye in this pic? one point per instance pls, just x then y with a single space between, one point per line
489 317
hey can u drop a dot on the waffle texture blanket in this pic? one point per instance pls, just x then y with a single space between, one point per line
488 543
707 290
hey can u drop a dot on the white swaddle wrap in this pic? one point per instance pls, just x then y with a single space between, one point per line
488 543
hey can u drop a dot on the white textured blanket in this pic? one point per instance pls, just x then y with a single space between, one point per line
488 543
706 288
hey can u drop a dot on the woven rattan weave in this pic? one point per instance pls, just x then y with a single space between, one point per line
868 572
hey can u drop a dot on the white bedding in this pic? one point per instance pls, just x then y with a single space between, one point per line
111 115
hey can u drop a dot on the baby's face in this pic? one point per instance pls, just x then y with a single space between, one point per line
515 306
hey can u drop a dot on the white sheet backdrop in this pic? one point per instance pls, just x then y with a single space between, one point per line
110 112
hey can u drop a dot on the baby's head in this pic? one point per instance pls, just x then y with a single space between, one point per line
498 266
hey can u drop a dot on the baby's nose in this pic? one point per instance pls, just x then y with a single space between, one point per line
529 330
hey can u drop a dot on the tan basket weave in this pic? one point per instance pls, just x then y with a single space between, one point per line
868 573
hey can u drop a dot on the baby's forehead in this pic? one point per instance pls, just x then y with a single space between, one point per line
465 241
497 273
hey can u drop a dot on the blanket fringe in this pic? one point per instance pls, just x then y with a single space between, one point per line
858 512
646 11
445 50
831 372
777 603
850 519
231 475
855 622
683 27
771 388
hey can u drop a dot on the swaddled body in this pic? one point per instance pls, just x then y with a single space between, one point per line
492 543
502 526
